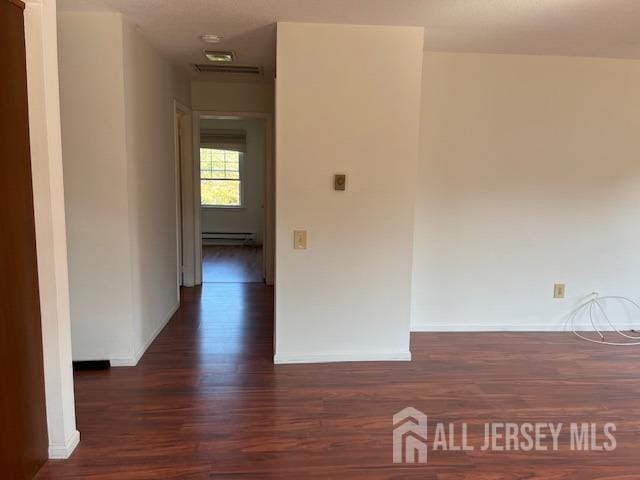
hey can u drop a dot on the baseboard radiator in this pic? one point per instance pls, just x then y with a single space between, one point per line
228 238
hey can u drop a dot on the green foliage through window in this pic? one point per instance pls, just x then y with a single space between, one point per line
220 182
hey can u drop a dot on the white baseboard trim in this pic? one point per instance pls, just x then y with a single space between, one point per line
434 327
123 362
489 327
280 359
133 361
60 452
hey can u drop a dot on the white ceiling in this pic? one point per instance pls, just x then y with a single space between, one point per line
599 28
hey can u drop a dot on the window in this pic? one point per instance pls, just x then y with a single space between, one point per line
220 178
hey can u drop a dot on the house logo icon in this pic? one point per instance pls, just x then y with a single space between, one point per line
409 436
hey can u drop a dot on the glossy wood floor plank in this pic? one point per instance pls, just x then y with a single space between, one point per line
231 263
206 402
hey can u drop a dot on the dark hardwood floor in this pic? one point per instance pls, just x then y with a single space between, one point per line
231 263
206 402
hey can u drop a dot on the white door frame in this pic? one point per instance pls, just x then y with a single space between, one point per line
268 246
185 220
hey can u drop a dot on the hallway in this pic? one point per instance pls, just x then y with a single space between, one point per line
207 402
165 417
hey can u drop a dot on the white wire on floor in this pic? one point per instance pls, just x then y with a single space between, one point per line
591 307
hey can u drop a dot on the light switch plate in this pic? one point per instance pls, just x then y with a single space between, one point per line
340 182
558 290
300 239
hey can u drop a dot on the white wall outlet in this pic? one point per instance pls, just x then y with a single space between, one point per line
558 290
300 239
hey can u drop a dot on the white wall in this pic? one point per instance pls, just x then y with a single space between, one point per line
117 116
250 217
181 86
96 195
352 110
528 176
232 96
51 242
151 183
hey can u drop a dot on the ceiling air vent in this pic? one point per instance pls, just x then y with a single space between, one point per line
249 69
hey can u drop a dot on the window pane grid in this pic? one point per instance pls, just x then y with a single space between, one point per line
219 164
220 182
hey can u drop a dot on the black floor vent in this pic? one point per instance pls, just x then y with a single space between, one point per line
91 365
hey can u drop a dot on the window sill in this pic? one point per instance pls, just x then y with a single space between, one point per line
223 207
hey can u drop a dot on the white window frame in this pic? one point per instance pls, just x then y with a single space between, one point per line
241 180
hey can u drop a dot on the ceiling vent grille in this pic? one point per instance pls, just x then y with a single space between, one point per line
247 69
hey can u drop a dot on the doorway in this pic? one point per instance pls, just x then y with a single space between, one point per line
232 170
229 192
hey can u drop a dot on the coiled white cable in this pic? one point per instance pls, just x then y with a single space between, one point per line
588 307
